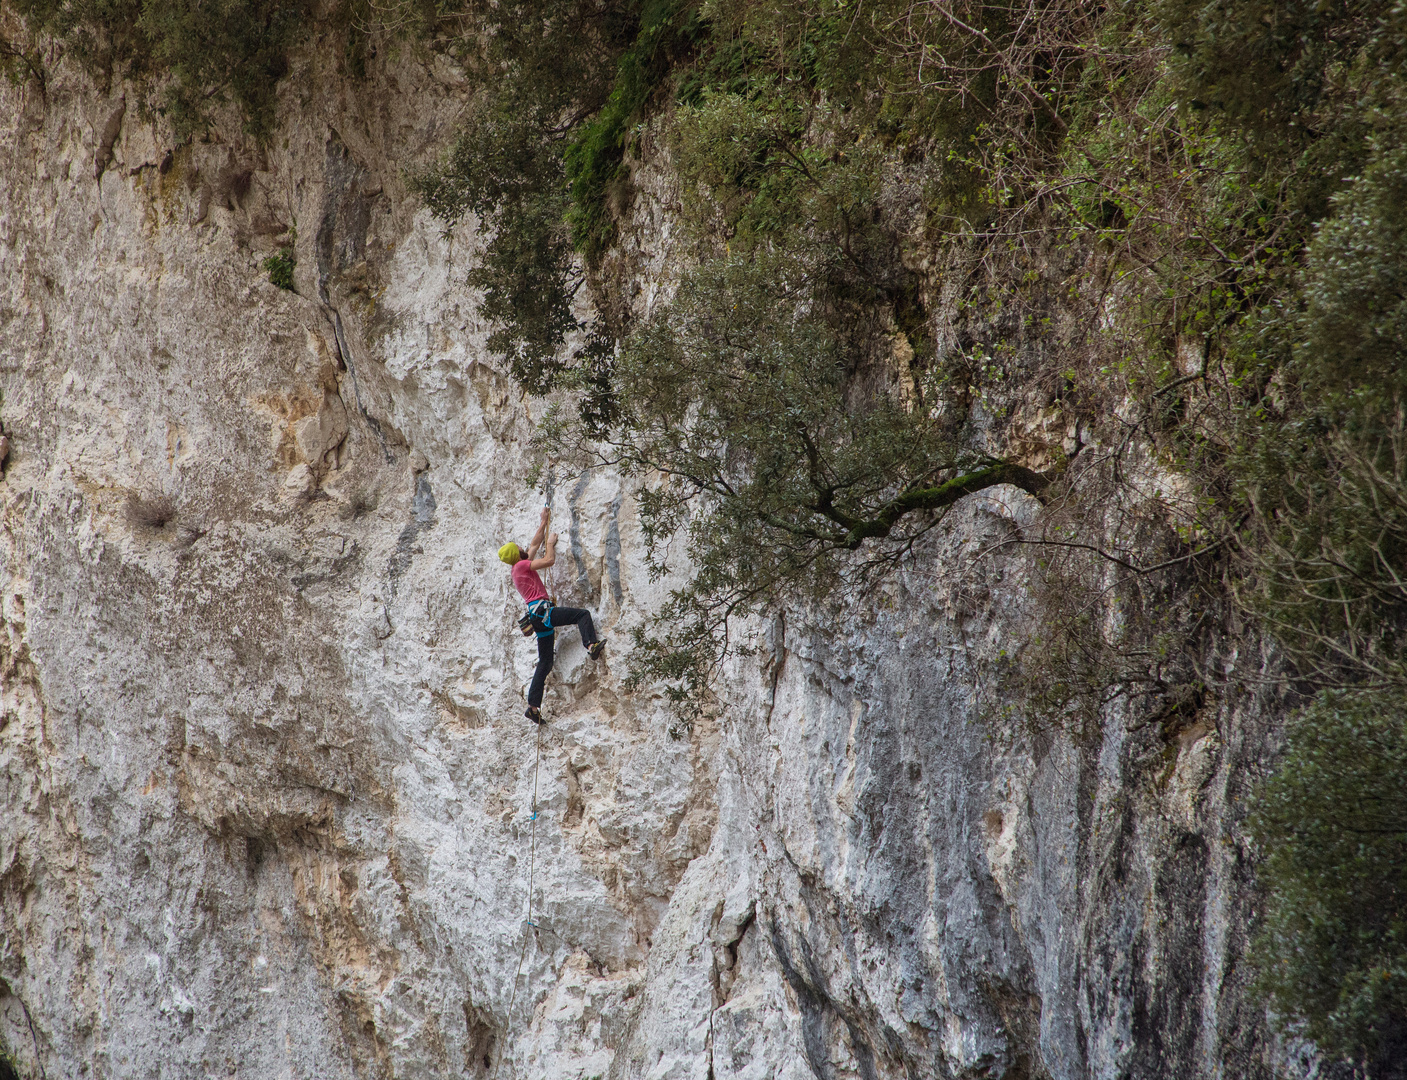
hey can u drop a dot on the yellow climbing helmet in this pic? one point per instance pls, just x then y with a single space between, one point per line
509 553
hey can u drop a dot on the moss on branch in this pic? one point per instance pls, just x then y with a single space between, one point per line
939 497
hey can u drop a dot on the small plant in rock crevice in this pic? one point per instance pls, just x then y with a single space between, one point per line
280 266
150 512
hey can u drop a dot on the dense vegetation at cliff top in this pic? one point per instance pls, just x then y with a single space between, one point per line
1180 224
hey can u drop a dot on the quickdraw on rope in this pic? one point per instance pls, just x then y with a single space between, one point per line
531 925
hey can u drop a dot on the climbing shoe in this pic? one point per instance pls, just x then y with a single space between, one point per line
595 649
535 715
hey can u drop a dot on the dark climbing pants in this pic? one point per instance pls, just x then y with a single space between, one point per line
561 616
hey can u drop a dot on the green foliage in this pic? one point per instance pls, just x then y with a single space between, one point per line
1331 956
544 70
564 86
1268 64
502 170
226 47
758 158
19 62
1322 460
593 159
199 55
1297 112
778 444
97 33
206 53
795 116
279 267
1331 548
1356 287
504 175
1328 468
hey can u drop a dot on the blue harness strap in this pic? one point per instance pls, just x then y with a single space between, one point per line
541 610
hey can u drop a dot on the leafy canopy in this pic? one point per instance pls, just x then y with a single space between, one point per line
218 50
1332 822
1327 472
769 414
546 94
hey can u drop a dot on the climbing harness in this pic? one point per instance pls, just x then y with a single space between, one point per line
532 865
539 614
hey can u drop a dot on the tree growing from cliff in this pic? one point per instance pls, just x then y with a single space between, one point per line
1323 468
559 81
763 408
197 54
1332 823
1328 475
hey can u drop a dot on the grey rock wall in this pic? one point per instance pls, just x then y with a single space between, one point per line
267 792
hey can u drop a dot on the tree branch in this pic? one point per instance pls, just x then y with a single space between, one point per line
944 495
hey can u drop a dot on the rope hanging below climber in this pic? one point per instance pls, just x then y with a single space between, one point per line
528 924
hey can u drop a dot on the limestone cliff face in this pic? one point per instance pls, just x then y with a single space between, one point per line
266 798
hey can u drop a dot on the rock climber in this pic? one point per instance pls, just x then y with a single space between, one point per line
545 617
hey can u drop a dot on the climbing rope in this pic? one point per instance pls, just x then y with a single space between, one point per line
547 489
527 930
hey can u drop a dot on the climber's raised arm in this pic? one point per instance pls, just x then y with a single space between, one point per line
549 557
536 541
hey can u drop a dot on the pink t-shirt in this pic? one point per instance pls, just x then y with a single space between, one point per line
528 584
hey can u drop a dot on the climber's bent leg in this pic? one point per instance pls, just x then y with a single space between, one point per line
565 616
544 665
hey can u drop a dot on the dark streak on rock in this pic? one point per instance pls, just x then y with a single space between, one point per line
583 579
819 1011
422 506
613 550
111 130
340 242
